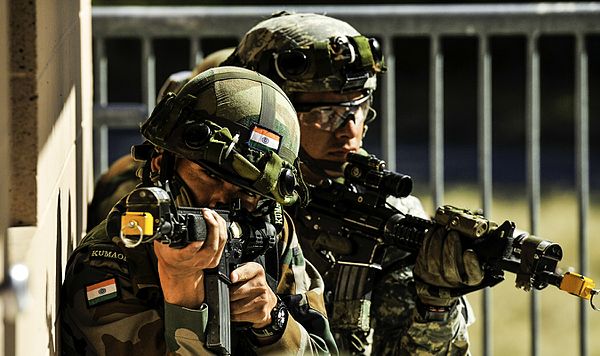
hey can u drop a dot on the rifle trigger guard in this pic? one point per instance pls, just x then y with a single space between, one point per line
126 241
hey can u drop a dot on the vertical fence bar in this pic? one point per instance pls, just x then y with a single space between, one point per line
533 165
101 72
484 107
582 172
148 74
196 54
388 125
101 99
436 120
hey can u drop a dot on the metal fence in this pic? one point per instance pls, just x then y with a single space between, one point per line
388 22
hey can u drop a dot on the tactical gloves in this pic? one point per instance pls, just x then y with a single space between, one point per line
443 268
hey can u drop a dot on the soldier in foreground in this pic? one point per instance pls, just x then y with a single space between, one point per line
328 69
206 149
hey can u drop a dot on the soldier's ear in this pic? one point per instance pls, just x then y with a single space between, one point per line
156 161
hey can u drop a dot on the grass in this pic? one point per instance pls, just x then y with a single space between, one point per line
558 328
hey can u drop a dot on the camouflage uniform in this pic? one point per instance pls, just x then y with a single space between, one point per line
136 320
112 301
397 327
320 67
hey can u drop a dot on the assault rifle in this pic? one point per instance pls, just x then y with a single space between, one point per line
152 215
358 210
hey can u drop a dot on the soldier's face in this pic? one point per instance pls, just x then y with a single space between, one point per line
327 131
207 189
211 191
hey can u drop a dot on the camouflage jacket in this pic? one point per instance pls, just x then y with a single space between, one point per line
396 328
112 304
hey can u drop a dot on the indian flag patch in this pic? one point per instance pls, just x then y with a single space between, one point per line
102 292
264 140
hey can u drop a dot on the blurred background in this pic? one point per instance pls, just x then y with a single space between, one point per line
412 98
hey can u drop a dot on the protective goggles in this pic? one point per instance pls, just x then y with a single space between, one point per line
330 117
355 57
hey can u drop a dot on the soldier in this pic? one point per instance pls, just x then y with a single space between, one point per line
206 149
121 177
328 69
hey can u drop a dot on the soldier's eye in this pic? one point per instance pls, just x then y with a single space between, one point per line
248 193
210 174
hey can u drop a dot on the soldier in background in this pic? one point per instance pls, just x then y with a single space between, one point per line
206 149
121 177
328 69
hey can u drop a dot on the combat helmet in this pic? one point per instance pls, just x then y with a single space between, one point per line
307 52
236 123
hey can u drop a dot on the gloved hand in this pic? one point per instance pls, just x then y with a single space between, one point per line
443 268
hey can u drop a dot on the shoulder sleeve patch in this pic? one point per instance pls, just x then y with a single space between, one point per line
99 252
102 292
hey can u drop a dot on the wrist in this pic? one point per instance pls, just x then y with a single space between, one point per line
431 295
437 301
184 292
273 330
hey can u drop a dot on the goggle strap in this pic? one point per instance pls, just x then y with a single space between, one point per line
364 50
322 55
263 183
267 182
215 149
245 168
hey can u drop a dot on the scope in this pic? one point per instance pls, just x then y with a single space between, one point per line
370 171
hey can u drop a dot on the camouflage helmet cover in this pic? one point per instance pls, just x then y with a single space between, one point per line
237 123
324 53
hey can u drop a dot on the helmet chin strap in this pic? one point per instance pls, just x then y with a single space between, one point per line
320 166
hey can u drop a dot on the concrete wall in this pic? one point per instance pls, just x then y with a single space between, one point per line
50 153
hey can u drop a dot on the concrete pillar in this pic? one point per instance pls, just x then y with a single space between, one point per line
24 102
50 154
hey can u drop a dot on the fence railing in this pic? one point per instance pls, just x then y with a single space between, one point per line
389 22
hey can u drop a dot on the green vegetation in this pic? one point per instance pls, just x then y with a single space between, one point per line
559 311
